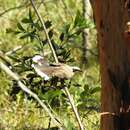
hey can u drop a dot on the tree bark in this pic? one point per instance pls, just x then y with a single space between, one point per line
111 17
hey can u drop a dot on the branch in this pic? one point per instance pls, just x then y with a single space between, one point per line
56 60
14 50
45 30
17 7
25 89
74 108
13 8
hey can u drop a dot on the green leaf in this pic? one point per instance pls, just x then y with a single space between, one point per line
66 28
29 34
50 95
30 16
25 35
17 32
81 23
94 90
31 75
62 36
9 30
66 54
16 59
38 26
44 42
20 27
48 24
56 47
50 33
77 18
26 20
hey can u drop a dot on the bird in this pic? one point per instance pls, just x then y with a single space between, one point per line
47 71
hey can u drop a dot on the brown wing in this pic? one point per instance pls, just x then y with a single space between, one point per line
60 71
64 71
47 70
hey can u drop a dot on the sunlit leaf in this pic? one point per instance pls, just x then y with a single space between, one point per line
20 27
26 20
30 16
95 90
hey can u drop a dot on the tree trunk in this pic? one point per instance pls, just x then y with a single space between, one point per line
111 17
87 13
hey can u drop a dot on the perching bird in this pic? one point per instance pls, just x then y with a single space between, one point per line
46 70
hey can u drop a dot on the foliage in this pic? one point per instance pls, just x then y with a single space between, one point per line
85 86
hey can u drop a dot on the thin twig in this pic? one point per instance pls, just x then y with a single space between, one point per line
45 30
13 8
26 4
56 60
14 50
25 89
74 108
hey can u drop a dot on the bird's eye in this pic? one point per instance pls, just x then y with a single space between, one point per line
74 70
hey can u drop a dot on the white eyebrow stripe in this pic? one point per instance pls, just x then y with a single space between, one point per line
36 58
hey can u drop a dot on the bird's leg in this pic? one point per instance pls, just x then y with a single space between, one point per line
53 83
62 83
69 84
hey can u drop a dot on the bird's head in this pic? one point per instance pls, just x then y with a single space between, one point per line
37 59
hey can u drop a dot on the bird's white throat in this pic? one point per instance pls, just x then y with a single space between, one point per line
40 73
